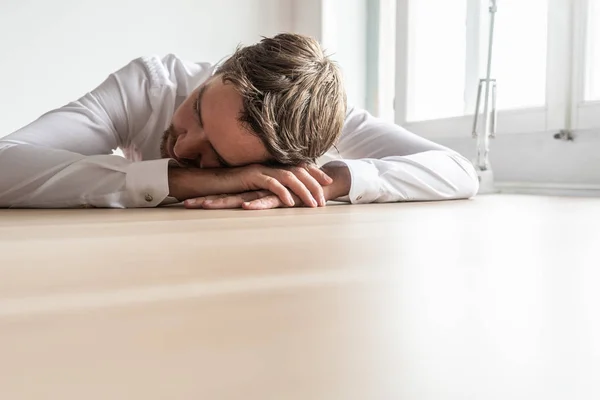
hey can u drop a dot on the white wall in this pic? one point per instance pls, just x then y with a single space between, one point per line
52 52
341 26
538 157
347 41
307 17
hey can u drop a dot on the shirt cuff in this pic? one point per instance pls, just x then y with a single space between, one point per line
365 185
147 183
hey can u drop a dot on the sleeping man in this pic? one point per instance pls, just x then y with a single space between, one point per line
268 127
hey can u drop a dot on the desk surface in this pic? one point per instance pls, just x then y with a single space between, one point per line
491 298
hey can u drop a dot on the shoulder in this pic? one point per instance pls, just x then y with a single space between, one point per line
357 119
169 70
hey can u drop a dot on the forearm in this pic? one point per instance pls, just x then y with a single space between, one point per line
426 176
342 180
39 177
187 183
387 163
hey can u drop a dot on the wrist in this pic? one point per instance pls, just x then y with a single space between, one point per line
187 183
342 180
180 186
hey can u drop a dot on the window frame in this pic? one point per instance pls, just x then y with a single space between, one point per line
585 112
565 76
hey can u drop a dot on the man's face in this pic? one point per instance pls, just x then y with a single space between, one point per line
205 131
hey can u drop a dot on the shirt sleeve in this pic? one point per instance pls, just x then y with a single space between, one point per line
387 163
64 158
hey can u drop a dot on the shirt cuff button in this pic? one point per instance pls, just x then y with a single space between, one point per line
148 197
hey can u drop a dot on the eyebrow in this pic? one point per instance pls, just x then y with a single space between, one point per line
198 111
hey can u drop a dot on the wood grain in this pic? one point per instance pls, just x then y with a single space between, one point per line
491 298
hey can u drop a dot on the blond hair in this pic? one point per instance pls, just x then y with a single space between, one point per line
293 96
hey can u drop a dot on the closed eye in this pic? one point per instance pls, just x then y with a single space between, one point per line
220 159
197 106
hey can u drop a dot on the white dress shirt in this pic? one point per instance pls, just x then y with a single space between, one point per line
64 158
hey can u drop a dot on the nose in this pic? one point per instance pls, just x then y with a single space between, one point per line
190 147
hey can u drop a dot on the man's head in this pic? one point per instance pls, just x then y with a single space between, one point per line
279 101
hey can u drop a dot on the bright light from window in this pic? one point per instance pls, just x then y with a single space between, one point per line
437 48
519 57
437 56
593 52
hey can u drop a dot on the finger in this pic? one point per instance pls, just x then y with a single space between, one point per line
311 184
297 187
198 201
264 203
234 200
318 174
194 203
270 201
276 187
216 199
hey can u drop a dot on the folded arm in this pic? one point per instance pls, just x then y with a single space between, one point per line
379 162
387 163
63 159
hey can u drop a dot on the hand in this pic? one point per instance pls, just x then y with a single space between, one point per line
305 182
290 184
264 199
255 200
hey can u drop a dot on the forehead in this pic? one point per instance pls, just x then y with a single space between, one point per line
221 107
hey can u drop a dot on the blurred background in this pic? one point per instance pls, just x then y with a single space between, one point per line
415 62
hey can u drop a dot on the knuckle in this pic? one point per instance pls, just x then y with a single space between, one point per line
312 183
272 183
298 170
287 175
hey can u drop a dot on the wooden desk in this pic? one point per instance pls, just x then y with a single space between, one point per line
492 298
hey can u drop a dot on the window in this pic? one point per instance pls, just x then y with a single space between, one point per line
520 52
381 39
437 59
546 61
585 102
593 52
